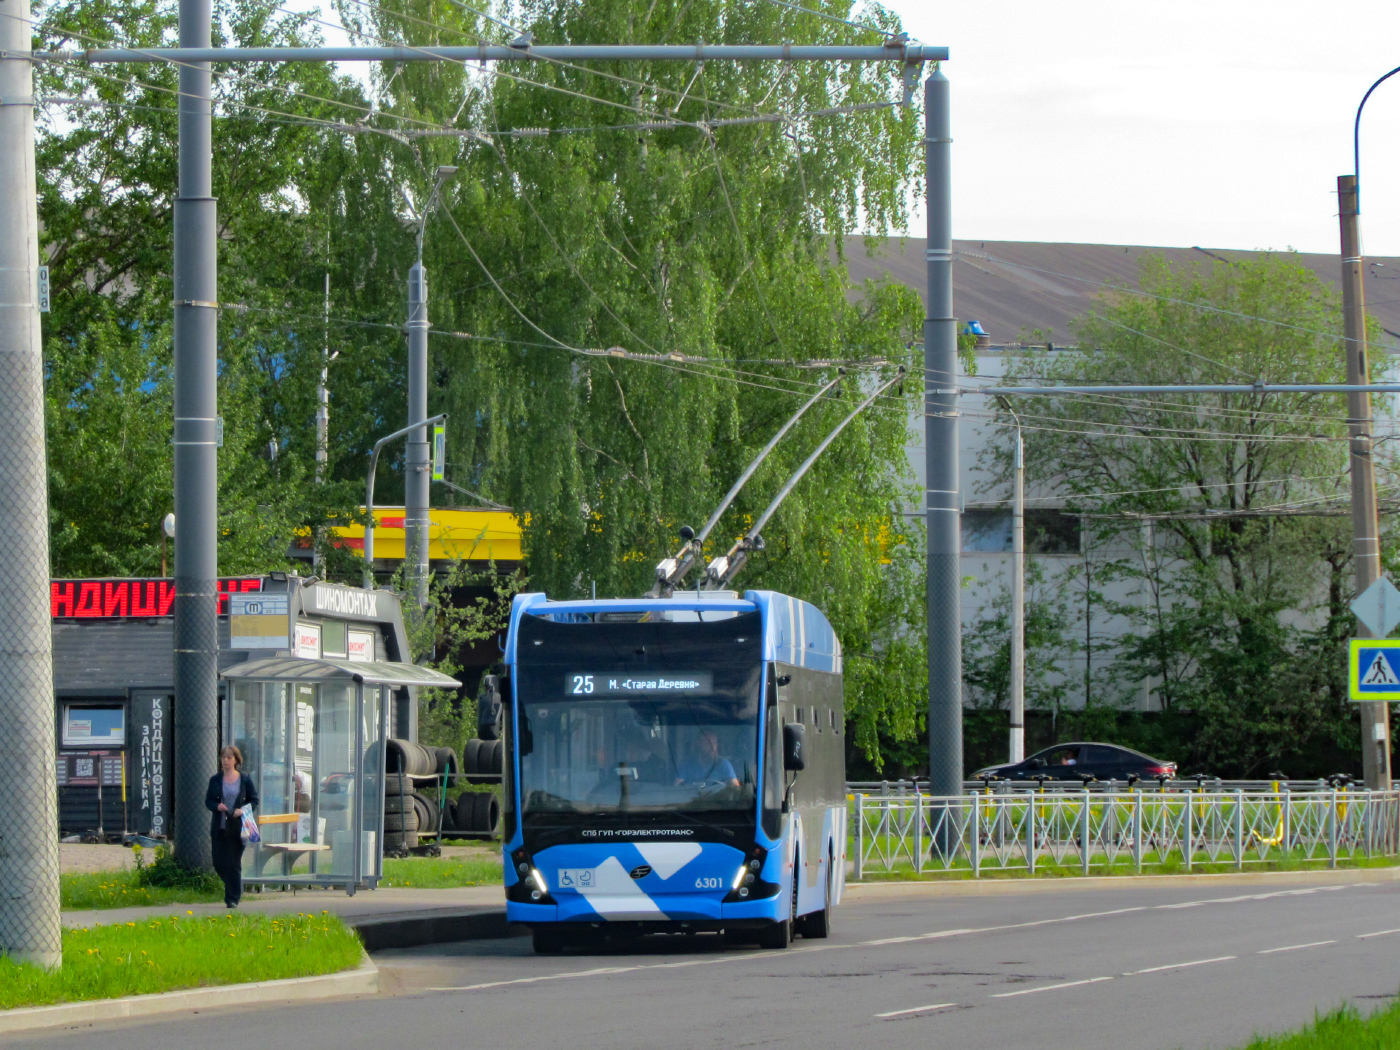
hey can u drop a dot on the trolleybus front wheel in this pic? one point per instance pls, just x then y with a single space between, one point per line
548 940
779 935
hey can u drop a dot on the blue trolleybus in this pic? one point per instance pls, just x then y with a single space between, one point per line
675 765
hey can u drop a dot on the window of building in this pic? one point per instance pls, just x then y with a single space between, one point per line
333 638
986 531
1047 532
94 725
1052 532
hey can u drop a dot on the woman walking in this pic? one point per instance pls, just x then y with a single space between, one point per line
230 793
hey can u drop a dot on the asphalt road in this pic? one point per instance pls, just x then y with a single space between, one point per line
1148 967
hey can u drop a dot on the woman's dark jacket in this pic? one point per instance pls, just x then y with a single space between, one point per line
247 796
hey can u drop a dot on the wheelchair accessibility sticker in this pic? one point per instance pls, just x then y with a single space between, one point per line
576 878
1373 671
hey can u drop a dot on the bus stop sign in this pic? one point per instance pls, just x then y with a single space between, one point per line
1373 670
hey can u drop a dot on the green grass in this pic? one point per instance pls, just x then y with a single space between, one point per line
1343 1029
162 955
120 889
426 873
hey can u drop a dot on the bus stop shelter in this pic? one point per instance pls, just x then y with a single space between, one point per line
312 734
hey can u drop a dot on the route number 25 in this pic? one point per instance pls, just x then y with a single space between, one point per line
582 683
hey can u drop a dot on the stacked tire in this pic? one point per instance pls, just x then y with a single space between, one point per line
401 815
483 758
447 764
411 783
477 814
405 756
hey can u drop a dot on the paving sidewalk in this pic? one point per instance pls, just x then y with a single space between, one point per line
366 905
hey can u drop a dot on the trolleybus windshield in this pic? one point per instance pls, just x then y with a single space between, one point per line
624 721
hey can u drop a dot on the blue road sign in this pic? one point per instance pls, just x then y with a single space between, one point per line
1373 671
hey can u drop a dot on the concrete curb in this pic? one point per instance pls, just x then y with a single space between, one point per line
413 929
360 981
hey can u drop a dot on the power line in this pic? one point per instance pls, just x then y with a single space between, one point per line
833 18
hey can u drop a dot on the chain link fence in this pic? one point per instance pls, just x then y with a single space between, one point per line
1124 832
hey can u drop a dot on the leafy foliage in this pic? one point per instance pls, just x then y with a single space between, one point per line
720 244
1239 575
165 872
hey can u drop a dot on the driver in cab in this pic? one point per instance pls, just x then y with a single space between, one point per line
706 767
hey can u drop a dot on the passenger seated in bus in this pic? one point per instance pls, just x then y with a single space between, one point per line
706 766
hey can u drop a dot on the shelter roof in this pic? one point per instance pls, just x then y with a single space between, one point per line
301 669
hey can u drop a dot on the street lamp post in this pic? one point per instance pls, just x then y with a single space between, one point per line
416 466
1017 748
1366 548
369 494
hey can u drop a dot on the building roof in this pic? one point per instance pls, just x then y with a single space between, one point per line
1016 288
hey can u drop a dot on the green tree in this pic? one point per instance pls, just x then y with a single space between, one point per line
107 181
1229 502
710 255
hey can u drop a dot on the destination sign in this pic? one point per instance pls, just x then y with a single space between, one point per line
621 683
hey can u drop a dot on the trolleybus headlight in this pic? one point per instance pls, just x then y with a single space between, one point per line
538 880
748 883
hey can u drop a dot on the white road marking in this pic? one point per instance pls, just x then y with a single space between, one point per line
934 935
1051 987
1378 933
915 1010
1250 897
1295 947
1181 966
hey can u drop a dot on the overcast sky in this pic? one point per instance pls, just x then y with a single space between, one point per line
1221 123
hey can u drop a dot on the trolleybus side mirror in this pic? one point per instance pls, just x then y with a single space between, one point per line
794 750
488 708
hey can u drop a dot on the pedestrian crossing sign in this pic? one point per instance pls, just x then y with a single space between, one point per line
1374 669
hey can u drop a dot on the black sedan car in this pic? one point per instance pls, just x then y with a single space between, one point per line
1079 761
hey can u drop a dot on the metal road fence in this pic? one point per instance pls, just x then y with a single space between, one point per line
1126 832
1174 784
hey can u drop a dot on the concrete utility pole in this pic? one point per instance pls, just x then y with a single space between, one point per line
416 466
1018 603
196 457
415 479
944 507
1016 749
323 407
1365 520
29 926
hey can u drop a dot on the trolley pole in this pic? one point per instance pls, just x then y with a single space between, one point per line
945 743
196 639
29 923
1365 521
